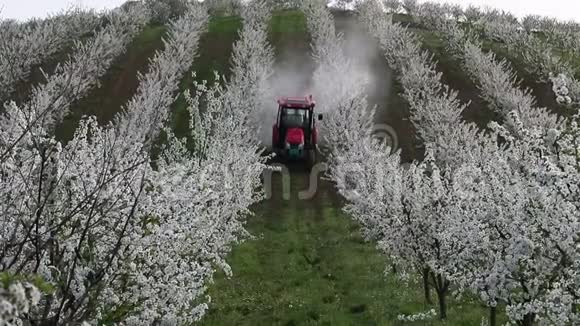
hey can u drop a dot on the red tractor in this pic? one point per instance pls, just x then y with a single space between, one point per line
294 134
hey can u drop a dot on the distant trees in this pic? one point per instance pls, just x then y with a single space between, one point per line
495 79
25 45
72 80
562 35
228 7
345 4
543 45
163 11
393 6
538 56
547 56
410 6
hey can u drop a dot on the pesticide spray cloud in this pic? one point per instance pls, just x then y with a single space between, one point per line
292 77
366 59
351 69
345 67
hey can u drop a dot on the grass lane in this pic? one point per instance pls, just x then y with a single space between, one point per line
214 52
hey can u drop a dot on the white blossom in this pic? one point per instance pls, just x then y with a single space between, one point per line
538 56
495 79
422 316
17 301
487 217
198 199
81 199
25 45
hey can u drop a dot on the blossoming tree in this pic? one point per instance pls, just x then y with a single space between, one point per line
25 45
71 210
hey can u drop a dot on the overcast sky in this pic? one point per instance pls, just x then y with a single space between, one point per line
563 9
23 9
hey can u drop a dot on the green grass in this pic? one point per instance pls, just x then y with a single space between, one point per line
215 48
287 22
310 266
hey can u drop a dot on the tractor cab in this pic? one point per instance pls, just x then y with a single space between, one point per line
294 133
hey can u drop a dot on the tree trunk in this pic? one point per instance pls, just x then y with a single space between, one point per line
528 320
441 286
426 287
442 305
492 316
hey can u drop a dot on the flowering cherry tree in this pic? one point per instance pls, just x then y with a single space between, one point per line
16 301
201 199
134 232
355 159
201 188
562 35
252 67
340 89
521 39
537 55
435 109
25 45
50 101
495 79
70 211
410 6
475 229
524 224
393 6
335 78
